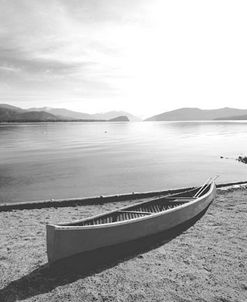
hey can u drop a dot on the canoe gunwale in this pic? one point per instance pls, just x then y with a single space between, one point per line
68 226
122 208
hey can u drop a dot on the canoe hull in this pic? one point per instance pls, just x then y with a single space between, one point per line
66 241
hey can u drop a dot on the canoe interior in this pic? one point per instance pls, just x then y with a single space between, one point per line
142 209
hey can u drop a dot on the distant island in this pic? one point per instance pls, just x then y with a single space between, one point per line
10 113
194 114
122 118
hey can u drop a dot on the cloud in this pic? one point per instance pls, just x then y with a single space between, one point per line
16 60
110 11
40 40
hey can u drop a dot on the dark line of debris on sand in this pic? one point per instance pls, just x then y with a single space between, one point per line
72 202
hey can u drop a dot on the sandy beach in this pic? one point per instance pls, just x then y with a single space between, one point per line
206 262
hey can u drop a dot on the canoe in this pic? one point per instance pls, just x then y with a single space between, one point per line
129 223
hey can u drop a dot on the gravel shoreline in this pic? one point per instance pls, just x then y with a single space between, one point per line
206 262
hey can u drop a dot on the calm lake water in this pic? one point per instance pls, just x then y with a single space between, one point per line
59 160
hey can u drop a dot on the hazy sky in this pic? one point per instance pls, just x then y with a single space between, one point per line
142 56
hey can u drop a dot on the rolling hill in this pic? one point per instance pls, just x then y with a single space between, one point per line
122 118
193 114
15 114
10 107
69 114
64 113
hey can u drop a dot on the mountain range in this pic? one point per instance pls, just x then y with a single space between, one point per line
65 114
193 114
9 113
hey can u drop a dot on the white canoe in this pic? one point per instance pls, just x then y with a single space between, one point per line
126 224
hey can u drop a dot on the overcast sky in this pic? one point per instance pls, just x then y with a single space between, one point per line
141 56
